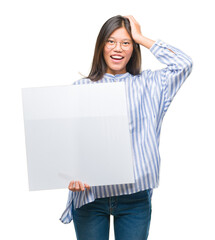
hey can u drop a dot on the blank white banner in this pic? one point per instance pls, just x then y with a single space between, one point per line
77 132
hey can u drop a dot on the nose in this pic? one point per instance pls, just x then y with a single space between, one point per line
118 46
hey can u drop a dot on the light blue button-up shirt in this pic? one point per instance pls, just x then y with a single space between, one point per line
149 95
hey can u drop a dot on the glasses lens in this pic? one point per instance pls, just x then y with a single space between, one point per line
110 44
124 45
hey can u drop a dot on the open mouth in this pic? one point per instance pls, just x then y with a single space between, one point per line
116 57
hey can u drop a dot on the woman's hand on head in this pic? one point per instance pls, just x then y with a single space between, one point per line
137 35
135 29
77 186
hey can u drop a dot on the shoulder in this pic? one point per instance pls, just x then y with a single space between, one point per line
148 79
144 75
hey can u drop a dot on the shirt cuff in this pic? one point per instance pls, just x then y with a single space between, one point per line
159 43
161 47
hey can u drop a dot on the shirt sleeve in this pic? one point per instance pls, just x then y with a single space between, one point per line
179 67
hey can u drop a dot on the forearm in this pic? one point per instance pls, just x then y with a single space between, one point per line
173 57
146 42
178 68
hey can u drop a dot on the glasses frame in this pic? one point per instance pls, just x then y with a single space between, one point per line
115 44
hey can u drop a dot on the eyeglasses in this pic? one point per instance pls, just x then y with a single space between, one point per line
125 45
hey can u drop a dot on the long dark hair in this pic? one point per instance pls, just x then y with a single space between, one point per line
99 65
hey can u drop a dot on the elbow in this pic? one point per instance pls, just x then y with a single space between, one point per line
189 65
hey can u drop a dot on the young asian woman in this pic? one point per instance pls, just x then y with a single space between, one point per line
117 57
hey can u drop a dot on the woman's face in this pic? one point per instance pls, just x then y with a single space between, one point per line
117 56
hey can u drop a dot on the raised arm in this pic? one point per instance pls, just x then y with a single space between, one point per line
179 65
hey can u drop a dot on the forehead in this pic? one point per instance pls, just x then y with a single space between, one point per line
120 33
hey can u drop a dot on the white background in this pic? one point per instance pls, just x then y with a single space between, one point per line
46 43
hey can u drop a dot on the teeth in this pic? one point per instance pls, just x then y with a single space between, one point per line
117 57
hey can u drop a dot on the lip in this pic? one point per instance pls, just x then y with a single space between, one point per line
115 59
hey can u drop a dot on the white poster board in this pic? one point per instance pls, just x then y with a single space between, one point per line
77 132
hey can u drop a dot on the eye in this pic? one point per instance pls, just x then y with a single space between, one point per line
109 41
126 43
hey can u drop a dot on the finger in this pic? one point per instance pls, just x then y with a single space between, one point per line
87 186
133 19
81 186
130 18
71 185
76 186
133 23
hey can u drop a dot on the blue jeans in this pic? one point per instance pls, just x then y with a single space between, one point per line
132 215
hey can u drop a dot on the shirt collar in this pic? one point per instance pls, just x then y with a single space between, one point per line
119 76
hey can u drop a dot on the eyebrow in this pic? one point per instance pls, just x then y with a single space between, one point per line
125 39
